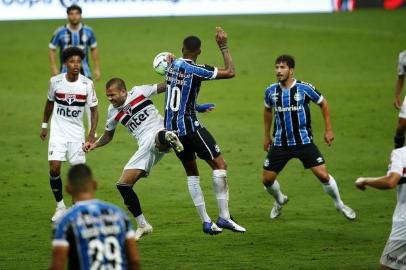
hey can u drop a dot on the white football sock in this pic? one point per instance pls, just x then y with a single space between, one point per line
141 221
221 190
197 196
275 191
331 189
60 204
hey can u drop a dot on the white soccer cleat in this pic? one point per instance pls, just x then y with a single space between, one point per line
230 224
347 212
141 231
277 208
174 141
59 211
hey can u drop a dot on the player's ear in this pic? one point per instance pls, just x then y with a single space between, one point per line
94 185
199 52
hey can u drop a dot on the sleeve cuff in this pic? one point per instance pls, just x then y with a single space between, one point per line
320 100
51 46
60 243
130 234
94 45
266 105
214 73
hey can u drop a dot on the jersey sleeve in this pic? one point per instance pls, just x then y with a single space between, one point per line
92 39
111 122
60 237
55 39
51 91
205 72
313 94
402 63
396 162
267 100
146 90
91 96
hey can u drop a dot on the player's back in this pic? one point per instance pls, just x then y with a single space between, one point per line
183 79
95 232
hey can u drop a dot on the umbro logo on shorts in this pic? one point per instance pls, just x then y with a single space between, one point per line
217 148
319 160
266 163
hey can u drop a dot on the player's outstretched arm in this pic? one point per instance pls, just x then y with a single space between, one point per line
103 140
49 106
133 259
94 118
328 131
59 257
228 71
399 85
385 182
267 128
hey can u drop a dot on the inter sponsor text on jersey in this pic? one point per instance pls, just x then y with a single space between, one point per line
69 100
183 79
402 63
138 114
398 165
83 38
292 123
96 233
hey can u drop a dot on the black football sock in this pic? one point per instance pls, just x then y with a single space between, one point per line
130 199
56 187
399 141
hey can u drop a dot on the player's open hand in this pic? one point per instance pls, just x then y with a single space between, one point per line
267 143
43 134
397 102
88 146
221 37
329 137
360 183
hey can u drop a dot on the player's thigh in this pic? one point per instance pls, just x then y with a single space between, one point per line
205 145
394 255
57 150
309 155
276 159
145 158
75 153
187 156
131 176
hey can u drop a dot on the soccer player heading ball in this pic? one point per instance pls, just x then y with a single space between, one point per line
289 100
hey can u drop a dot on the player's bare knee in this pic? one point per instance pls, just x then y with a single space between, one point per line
54 170
323 177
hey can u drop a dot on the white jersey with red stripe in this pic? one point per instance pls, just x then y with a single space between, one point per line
138 114
398 165
69 100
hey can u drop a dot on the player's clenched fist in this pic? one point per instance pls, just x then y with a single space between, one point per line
43 134
88 146
221 38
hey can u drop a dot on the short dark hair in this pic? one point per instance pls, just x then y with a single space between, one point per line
72 51
192 43
119 83
285 58
73 7
79 176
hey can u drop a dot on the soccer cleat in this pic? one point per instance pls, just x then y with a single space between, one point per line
141 231
211 228
230 224
347 212
174 141
59 211
277 208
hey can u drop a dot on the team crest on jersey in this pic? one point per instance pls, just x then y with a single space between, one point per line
297 97
274 97
127 110
70 98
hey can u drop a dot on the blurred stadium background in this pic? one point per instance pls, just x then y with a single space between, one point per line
350 56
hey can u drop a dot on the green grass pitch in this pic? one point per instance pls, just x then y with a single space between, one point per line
350 57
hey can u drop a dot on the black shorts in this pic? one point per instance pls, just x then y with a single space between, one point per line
308 154
201 143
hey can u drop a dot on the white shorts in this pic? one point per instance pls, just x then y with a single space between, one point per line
146 156
402 113
394 254
71 151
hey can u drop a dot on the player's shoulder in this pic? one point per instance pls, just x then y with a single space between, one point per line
305 85
272 87
61 28
400 152
85 80
107 205
402 56
57 78
87 28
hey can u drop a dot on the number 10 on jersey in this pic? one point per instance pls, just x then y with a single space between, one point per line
173 98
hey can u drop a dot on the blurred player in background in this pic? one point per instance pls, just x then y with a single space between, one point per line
394 253
184 78
287 102
92 234
67 96
135 110
400 130
75 34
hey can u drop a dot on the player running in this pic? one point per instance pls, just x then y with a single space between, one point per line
394 253
67 96
184 78
92 234
135 110
290 101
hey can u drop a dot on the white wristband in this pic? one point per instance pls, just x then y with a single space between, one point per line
44 125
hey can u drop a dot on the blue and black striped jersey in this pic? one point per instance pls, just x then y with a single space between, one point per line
83 38
183 79
292 122
95 233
